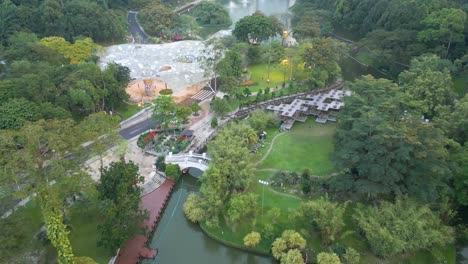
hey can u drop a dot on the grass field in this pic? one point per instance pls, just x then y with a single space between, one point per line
307 145
259 74
271 199
84 234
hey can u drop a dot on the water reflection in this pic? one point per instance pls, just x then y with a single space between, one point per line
240 8
180 241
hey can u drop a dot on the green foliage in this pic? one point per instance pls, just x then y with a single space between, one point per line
14 113
84 260
211 13
57 232
445 25
160 163
182 113
242 207
429 84
80 51
193 209
290 239
164 112
220 106
404 226
327 216
195 107
214 122
256 27
328 258
351 256
293 256
252 239
166 92
157 19
120 204
230 65
321 57
261 120
385 148
173 171
230 172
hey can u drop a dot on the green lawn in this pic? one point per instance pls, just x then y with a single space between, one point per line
307 145
259 74
271 199
127 110
84 235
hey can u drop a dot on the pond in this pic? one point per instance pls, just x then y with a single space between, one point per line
180 241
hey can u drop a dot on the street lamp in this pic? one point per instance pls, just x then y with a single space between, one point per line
263 191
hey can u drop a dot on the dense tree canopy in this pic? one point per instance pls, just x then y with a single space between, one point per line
256 28
230 173
211 13
37 155
321 57
401 227
120 204
68 19
385 147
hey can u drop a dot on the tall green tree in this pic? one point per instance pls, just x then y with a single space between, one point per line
164 111
326 215
36 159
289 240
446 26
256 28
404 226
429 84
242 206
211 13
157 19
321 57
120 204
7 20
385 148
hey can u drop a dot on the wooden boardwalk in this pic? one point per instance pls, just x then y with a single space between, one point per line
154 202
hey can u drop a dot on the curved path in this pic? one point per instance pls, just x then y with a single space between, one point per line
269 148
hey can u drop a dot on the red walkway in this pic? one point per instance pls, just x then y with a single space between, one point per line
154 203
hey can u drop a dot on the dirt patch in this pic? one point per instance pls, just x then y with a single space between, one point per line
165 68
184 94
138 93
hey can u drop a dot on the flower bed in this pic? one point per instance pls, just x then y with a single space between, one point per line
164 141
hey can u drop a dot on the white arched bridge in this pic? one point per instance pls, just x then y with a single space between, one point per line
189 160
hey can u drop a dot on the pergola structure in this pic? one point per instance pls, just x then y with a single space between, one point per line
321 105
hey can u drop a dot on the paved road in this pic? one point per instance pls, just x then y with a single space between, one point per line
137 31
137 129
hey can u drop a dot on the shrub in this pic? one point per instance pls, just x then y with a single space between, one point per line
160 164
192 208
252 239
173 171
214 122
166 92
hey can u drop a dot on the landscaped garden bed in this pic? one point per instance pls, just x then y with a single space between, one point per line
164 141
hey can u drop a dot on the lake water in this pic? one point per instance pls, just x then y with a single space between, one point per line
180 241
